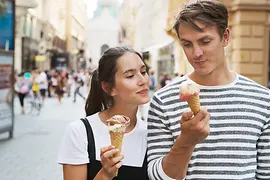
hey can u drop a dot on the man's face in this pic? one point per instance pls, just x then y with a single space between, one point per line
204 50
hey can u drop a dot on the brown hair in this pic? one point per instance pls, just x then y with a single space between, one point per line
209 13
98 100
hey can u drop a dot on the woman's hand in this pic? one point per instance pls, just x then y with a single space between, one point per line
110 164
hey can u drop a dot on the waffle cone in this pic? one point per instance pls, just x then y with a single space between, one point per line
116 141
194 104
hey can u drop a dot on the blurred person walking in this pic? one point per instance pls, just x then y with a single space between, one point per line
43 84
59 89
78 84
22 89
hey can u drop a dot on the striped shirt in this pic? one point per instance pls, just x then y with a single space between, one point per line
238 146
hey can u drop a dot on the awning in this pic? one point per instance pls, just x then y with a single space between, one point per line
40 58
163 44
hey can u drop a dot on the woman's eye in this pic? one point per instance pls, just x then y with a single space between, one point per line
143 73
187 45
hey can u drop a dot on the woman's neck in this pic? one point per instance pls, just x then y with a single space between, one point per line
129 112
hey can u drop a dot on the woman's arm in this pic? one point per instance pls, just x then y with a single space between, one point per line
75 172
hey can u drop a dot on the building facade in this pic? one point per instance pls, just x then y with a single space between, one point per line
103 30
248 50
144 23
50 35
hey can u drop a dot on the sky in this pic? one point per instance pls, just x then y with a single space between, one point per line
92 5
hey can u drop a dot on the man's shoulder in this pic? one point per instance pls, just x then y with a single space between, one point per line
249 83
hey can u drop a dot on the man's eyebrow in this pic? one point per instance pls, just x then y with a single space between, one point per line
201 39
204 37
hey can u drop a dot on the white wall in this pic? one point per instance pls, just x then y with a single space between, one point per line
102 30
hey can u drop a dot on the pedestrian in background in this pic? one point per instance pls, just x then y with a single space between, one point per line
59 89
118 86
235 142
152 82
22 88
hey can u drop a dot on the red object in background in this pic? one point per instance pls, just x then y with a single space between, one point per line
5 76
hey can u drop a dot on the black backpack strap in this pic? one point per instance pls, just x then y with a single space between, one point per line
91 141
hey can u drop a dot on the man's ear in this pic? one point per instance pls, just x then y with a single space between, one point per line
107 88
226 37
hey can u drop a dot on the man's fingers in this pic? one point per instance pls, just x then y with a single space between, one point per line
186 116
197 118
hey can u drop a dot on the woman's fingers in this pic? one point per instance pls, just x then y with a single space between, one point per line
105 149
110 153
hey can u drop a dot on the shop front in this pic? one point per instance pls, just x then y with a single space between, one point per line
7 67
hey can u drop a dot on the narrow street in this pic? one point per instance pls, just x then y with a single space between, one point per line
33 151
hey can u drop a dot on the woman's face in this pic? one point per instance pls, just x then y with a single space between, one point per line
131 80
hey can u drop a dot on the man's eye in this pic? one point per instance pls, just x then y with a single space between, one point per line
205 42
131 76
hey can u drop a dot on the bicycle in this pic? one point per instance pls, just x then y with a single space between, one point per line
32 103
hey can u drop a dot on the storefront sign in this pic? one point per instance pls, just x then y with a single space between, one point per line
7 26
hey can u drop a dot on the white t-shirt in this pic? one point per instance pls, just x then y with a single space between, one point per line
42 81
74 145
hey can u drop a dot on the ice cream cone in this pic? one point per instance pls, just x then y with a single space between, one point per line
116 141
194 104
117 127
190 92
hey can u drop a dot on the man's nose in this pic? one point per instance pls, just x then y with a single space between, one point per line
197 52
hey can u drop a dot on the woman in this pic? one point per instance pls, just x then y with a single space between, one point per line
59 89
22 88
120 84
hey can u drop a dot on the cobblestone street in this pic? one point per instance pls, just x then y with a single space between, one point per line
33 151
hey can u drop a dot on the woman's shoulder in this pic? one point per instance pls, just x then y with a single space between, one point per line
77 125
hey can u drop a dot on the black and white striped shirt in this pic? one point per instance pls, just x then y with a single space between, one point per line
238 146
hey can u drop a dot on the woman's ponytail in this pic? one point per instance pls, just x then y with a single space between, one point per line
95 97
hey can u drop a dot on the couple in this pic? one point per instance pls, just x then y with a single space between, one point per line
232 143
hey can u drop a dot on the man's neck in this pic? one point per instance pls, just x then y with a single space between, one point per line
215 78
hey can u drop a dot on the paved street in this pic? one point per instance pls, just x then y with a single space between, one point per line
32 153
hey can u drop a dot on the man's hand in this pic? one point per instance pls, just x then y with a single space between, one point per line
194 129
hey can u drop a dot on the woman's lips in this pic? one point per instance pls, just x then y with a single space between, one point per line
144 91
199 62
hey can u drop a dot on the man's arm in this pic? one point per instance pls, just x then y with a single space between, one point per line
168 159
263 153
160 140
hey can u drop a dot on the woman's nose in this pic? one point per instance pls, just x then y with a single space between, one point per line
142 79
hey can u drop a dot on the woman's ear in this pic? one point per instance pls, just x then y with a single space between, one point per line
107 88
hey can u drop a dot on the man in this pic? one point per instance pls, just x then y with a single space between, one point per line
235 142
42 83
